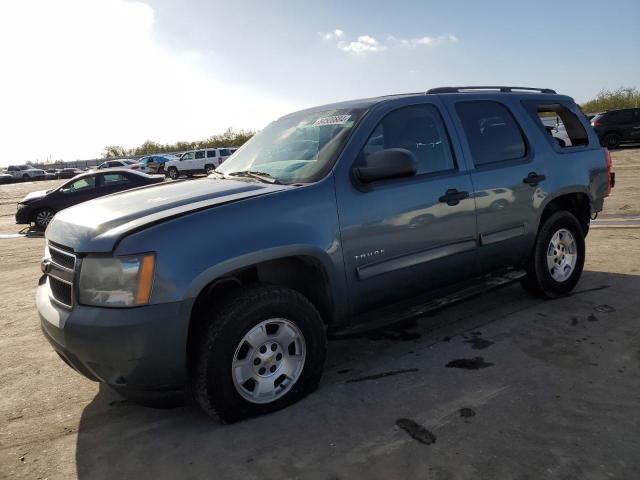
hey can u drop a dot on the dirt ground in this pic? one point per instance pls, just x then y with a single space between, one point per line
554 393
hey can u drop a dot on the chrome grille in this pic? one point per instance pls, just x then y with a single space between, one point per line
61 257
61 291
61 274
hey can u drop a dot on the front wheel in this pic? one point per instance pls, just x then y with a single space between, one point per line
26 178
263 349
43 217
558 256
173 173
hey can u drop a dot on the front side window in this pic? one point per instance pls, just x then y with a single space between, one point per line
561 124
419 129
200 154
81 185
492 132
297 148
187 156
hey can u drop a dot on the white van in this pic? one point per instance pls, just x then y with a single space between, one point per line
196 161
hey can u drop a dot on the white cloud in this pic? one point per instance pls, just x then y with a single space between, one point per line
91 74
337 33
363 45
425 41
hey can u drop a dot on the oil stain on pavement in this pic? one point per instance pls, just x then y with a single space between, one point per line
382 375
416 431
469 363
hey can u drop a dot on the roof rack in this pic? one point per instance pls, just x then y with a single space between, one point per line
500 89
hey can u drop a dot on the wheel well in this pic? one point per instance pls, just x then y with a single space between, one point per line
303 274
576 203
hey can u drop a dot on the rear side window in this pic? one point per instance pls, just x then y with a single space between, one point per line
211 153
561 124
419 129
225 152
492 132
115 179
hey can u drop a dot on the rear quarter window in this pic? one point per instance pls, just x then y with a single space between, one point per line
563 127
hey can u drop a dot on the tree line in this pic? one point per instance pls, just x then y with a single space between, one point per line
623 97
230 138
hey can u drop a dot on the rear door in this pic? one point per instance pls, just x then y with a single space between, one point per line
212 157
199 160
404 237
509 180
634 126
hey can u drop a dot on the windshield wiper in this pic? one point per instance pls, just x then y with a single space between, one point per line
262 176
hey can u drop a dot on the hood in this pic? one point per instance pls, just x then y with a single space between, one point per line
33 196
97 225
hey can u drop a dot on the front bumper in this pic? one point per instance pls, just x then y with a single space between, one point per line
23 214
141 348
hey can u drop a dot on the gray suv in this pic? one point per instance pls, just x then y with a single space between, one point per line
355 213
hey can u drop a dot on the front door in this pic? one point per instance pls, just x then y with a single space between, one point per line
404 237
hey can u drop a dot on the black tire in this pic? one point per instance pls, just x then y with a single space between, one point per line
611 140
539 279
173 173
42 217
228 323
209 168
26 178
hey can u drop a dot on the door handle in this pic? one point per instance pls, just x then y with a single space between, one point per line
452 197
533 179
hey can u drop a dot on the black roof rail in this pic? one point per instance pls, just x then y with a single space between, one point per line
500 89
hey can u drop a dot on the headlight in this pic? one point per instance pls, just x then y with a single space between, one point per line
116 281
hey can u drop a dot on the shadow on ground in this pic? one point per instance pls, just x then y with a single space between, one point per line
558 396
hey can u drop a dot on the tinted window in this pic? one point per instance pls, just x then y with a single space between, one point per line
84 184
492 132
225 152
420 130
561 124
200 154
211 153
111 179
187 156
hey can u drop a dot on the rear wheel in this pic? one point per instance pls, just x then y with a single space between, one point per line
43 217
173 173
263 350
611 140
209 169
558 256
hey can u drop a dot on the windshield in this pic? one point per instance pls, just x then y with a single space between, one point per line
298 148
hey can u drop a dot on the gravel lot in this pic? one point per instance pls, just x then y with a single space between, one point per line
555 393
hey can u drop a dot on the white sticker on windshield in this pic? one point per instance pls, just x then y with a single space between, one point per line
333 120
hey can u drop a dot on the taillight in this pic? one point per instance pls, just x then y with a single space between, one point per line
610 175
595 123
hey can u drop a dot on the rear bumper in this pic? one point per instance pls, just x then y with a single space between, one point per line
142 348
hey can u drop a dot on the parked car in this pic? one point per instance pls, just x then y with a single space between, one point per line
617 126
40 207
132 164
224 286
155 163
25 173
6 177
69 172
205 160
51 174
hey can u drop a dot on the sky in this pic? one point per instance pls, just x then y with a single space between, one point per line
78 75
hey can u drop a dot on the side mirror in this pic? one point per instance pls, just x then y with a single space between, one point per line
386 164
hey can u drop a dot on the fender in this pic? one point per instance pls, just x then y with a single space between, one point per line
335 281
